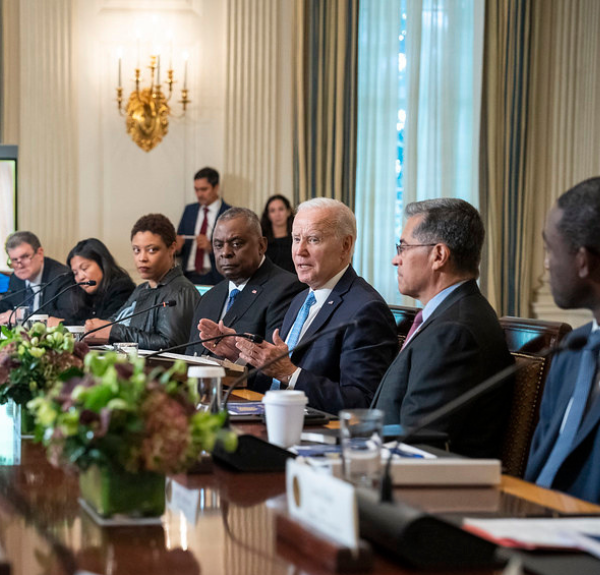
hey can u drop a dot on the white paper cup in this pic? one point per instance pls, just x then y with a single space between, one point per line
284 412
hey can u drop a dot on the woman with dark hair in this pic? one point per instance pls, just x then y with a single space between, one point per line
154 242
276 222
91 260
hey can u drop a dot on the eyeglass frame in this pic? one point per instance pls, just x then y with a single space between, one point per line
22 260
402 245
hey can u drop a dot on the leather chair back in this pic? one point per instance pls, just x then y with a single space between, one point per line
526 338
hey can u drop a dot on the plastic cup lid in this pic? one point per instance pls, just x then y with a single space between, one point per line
205 371
287 396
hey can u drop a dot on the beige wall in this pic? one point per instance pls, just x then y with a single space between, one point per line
80 173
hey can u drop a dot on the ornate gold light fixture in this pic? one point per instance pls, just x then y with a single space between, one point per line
147 112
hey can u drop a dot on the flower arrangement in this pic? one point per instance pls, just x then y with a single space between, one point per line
118 414
32 361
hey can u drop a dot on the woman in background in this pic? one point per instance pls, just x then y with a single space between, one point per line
276 222
91 260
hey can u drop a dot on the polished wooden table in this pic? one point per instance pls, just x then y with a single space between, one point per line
216 523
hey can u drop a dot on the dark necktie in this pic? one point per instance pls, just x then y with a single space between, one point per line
233 294
416 323
199 261
585 377
29 297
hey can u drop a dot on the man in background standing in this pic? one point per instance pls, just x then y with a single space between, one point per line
194 234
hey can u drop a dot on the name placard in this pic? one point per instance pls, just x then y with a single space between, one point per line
324 502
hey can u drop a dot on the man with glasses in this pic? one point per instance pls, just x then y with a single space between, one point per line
32 271
456 341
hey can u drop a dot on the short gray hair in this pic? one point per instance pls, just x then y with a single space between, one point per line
250 217
344 221
17 238
455 223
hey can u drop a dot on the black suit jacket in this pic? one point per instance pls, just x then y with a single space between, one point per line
579 474
259 309
186 227
458 347
66 306
342 369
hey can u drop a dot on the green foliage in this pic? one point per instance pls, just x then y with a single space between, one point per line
122 415
32 361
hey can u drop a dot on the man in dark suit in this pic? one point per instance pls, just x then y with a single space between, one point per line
456 341
341 369
255 294
565 452
31 271
196 227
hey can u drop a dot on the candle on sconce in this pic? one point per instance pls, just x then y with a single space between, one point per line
185 70
138 37
120 57
170 38
158 70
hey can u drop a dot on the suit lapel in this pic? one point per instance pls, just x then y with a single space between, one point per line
250 293
468 288
214 313
336 297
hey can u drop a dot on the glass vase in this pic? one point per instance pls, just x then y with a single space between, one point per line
112 492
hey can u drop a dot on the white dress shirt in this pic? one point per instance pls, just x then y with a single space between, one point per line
213 210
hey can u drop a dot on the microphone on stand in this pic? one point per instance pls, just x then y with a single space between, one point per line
54 298
249 336
31 297
420 538
168 303
254 454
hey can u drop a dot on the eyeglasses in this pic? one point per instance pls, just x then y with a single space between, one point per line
402 245
23 260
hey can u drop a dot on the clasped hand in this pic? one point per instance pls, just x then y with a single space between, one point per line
258 354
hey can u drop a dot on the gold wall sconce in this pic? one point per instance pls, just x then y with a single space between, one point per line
147 111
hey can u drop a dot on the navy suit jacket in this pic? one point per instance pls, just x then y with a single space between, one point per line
459 346
579 474
67 306
342 369
187 226
259 309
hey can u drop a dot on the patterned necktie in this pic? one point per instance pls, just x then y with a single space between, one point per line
199 261
416 323
585 378
297 329
234 293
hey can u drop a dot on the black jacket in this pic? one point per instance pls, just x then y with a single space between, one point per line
106 303
161 327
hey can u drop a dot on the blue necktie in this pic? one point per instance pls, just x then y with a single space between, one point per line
234 293
297 329
583 385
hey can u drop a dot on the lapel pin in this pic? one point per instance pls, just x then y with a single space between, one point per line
330 302
253 291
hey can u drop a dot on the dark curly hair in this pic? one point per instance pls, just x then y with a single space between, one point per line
580 219
156 224
265 222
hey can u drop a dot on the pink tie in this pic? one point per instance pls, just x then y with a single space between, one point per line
416 323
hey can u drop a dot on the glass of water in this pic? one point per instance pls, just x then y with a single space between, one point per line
209 386
361 436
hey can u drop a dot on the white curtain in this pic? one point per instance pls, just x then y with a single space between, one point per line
378 104
444 53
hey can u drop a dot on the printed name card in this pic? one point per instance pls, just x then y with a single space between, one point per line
324 502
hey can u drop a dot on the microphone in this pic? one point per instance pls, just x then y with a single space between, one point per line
168 303
249 336
30 297
458 403
254 454
54 298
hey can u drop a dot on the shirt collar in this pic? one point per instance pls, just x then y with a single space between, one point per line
37 280
241 286
438 298
325 290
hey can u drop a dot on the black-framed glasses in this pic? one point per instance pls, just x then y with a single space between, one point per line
402 245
